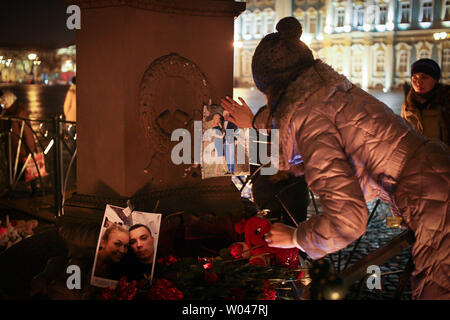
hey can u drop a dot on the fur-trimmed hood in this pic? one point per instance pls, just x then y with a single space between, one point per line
320 76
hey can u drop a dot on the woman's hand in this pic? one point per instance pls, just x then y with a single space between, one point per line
280 236
241 113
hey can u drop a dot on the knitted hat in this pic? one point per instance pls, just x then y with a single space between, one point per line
427 66
280 55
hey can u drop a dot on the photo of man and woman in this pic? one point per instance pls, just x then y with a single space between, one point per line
126 246
225 146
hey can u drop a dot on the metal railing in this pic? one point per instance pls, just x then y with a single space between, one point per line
55 139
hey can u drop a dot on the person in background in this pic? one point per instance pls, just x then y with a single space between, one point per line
427 104
10 106
354 149
70 103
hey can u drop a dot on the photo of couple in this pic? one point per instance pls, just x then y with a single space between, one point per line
225 146
126 246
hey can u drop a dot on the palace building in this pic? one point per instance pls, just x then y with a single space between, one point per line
372 42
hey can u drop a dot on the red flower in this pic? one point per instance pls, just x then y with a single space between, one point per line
268 292
107 294
211 277
207 265
236 250
163 289
171 260
240 226
123 291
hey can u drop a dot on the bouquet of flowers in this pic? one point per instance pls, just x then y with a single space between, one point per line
15 231
237 273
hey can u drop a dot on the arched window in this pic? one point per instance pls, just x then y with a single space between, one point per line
258 24
246 64
312 21
446 10
269 23
379 63
446 60
403 62
426 11
356 65
247 24
340 16
405 12
382 14
359 16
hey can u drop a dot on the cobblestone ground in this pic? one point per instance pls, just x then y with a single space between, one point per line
376 236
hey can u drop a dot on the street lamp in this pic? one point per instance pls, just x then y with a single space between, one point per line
32 57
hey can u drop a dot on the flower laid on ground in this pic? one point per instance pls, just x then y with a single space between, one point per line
123 291
163 289
15 231
239 272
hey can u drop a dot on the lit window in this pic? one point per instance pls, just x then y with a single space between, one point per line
380 62
258 25
312 24
360 16
340 14
269 22
427 11
247 22
404 12
446 60
403 62
447 10
382 13
356 65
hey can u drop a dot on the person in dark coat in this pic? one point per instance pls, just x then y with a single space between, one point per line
427 105
11 107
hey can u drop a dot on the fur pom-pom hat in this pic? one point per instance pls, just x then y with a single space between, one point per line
280 56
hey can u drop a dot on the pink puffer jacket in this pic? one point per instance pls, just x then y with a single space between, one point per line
354 150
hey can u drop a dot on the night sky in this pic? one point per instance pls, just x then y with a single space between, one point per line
34 24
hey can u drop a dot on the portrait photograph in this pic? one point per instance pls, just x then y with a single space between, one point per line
127 246
225 147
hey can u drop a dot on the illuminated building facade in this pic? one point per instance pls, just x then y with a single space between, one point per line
372 42
37 65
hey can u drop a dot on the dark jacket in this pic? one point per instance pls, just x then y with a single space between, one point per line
432 117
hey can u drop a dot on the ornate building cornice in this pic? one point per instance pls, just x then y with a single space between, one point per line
216 8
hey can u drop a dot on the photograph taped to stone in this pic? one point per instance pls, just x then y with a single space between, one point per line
225 147
126 246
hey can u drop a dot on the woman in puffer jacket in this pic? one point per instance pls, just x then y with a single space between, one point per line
354 149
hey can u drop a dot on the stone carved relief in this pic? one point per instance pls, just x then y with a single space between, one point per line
172 93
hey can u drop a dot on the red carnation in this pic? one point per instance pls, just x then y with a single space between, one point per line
236 250
163 289
268 292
